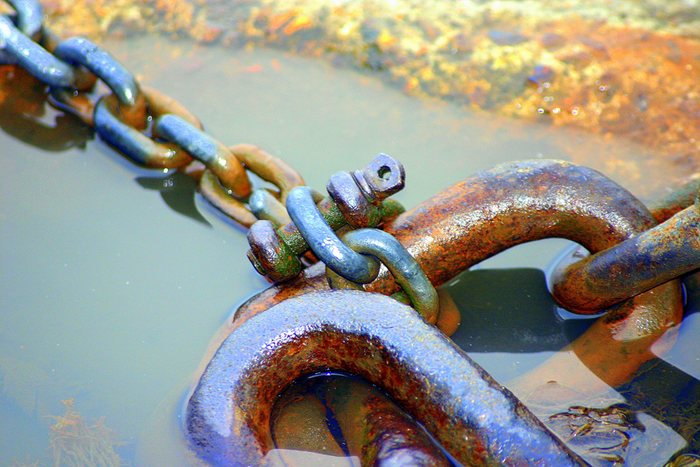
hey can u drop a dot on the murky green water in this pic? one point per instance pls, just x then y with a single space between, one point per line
111 292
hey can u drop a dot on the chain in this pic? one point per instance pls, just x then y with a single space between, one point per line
156 131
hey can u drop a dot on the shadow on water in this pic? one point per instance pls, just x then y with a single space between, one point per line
178 192
123 318
511 311
26 116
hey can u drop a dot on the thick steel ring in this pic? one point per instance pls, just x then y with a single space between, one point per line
512 204
472 416
653 257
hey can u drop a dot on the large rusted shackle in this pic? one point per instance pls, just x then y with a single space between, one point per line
636 265
472 220
477 420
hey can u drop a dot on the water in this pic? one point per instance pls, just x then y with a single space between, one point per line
112 293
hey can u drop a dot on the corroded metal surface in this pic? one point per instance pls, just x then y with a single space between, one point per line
262 204
476 420
350 417
500 208
378 247
208 150
655 256
357 199
676 200
512 204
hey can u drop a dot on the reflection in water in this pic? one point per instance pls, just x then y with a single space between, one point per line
126 332
510 310
178 191
642 422
24 114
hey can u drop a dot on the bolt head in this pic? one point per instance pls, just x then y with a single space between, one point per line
384 176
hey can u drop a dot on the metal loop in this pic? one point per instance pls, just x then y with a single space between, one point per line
472 416
29 17
32 57
265 206
376 245
206 149
655 256
79 51
134 143
352 202
344 207
270 254
269 168
324 242
220 198
262 204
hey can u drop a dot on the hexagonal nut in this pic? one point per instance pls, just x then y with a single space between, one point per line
270 254
384 176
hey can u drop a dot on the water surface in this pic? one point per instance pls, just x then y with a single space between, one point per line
115 279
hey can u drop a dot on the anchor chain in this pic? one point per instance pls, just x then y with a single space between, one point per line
293 224
145 125
154 130
357 200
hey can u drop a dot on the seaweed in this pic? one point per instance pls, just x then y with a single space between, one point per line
74 442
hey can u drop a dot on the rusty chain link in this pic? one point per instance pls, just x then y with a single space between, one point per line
292 225
154 130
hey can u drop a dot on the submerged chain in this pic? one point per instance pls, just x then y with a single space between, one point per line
154 130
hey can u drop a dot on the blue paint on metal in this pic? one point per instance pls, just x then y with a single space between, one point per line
191 139
323 241
80 51
126 139
30 16
370 335
33 57
404 267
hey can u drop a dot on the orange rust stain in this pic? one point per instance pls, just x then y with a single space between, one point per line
641 85
277 21
297 24
257 68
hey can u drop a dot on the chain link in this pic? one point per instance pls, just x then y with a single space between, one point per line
144 124
154 130
376 246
